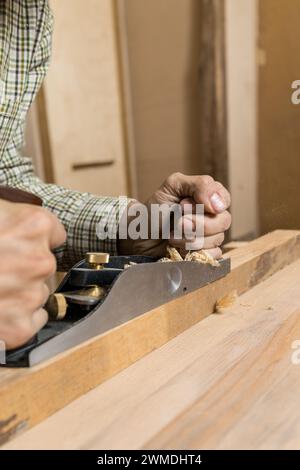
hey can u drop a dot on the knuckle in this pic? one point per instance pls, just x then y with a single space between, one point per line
206 179
43 264
37 297
227 221
37 220
219 240
25 213
173 177
21 332
48 265
43 220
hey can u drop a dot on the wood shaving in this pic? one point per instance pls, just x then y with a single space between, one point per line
226 302
164 260
174 255
131 263
196 256
201 257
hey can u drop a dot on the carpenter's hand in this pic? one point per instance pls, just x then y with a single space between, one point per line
27 235
182 189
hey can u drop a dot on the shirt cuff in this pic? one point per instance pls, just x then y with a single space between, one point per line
93 227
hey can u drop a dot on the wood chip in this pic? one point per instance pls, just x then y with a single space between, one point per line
201 257
174 255
226 302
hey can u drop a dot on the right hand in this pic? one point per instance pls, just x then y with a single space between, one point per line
27 235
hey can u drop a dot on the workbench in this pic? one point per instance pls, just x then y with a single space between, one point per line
229 381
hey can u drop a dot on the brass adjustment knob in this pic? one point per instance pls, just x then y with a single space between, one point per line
56 306
97 260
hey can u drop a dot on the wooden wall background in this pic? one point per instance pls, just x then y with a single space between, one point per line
164 44
278 118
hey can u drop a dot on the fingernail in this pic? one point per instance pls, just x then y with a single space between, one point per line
217 203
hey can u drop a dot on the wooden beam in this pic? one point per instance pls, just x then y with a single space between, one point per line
29 396
233 245
212 77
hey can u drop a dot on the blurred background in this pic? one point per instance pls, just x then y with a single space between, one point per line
138 89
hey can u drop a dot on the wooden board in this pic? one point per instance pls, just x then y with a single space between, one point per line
226 383
29 396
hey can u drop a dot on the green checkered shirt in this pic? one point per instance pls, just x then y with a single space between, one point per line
25 50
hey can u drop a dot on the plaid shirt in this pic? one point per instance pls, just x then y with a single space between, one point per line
25 50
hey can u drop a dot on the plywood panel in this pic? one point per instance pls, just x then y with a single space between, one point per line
83 98
279 119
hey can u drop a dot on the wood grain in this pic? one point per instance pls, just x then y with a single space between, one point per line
32 395
228 382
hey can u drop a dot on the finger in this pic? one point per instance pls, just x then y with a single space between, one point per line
203 189
19 330
57 233
187 245
35 297
224 193
38 320
215 253
217 223
212 195
214 241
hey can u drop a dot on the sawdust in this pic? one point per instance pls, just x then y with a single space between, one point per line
226 302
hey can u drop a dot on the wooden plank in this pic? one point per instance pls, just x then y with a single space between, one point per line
227 382
233 245
32 395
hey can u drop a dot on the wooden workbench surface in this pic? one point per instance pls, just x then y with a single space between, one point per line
227 382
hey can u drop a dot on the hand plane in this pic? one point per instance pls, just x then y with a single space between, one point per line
101 292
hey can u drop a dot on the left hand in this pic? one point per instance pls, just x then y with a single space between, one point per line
180 189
